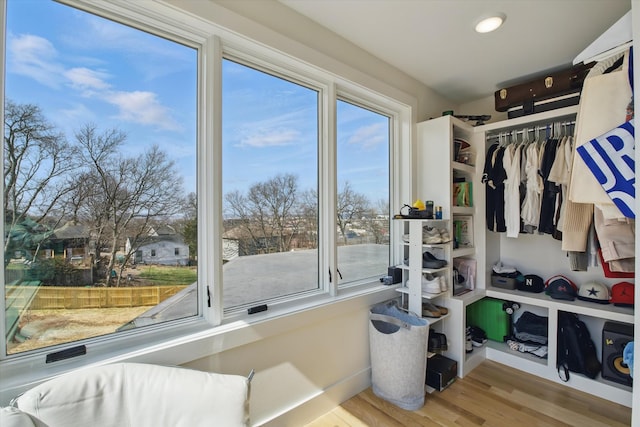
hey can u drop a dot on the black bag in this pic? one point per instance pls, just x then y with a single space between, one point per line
576 350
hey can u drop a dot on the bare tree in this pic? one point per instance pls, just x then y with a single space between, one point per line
132 190
268 213
351 206
37 163
376 222
309 217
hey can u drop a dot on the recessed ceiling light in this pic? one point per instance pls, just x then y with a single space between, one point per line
489 23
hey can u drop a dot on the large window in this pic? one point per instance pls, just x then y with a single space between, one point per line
270 186
99 162
362 210
114 142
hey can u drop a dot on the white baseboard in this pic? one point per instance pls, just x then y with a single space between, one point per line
319 404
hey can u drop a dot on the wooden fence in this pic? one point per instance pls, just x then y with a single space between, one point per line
54 297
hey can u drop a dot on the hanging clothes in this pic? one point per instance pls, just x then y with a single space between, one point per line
531 207
603 106
550 189
512 189
559 174
493 178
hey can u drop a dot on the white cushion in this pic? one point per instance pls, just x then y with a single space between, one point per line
14 417
132 394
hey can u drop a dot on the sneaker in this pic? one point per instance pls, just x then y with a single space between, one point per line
478 336
443 283
468 344
431 235
444 235
430 284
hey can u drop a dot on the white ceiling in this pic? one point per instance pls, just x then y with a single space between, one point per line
434 41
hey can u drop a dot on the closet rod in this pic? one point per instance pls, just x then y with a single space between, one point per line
538 128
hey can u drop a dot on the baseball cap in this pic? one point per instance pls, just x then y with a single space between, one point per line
531 283
594 292
559 287
622 294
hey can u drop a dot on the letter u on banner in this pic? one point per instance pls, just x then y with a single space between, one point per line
611 159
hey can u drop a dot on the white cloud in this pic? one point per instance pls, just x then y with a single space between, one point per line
85 79
37 58
369 136
270 138
34 57
142 107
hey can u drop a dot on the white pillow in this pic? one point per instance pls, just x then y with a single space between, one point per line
140 395
14 417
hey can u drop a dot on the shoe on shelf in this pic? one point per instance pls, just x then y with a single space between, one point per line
437 341
478 336
444 235
443 310
430 261
405 238
430 284
468 343
443 283
430 310
431 235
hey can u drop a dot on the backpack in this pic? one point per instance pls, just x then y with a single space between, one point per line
576 350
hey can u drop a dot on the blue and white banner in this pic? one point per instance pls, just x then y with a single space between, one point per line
611 159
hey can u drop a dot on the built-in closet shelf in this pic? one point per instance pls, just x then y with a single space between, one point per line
425 270
434 153
470 297
463 167
517 356
462 210
425 295
603 311
531 120
460 252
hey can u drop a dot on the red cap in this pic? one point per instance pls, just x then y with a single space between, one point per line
622 294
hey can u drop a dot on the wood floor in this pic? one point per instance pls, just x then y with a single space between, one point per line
491 395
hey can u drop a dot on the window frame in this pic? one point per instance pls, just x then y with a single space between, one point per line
212 43
368 103
194 36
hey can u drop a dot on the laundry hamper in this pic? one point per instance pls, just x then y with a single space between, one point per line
398 346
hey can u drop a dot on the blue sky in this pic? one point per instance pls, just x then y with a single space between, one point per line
81 69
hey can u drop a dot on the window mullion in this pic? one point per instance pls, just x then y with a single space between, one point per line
328 192
210 184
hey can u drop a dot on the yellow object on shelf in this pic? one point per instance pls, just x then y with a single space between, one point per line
419 204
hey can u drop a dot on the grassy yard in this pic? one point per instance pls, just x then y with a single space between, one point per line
162 275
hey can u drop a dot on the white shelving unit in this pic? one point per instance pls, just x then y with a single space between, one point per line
531 254
412 251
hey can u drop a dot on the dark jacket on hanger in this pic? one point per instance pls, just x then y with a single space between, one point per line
493 177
